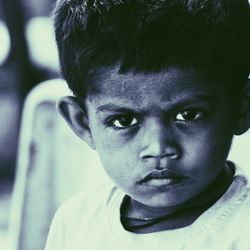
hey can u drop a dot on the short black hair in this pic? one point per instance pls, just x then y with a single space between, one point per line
149 35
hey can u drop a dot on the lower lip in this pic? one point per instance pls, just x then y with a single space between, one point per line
164 181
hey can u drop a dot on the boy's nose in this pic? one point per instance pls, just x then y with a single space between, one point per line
158 142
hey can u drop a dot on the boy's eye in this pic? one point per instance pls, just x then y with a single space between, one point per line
124 121
189 115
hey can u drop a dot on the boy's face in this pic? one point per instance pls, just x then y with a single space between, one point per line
162 137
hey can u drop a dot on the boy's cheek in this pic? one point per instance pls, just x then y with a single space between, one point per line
111 140
206 145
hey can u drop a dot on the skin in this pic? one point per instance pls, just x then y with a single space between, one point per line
172 120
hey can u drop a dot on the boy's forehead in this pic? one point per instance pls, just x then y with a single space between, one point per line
164 85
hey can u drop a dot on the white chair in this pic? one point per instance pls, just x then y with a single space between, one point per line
53 164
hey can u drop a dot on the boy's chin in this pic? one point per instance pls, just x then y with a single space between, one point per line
164 202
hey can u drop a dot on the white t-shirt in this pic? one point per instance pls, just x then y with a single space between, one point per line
93 223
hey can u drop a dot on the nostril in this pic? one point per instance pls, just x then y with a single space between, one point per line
160 156
145 157
173 155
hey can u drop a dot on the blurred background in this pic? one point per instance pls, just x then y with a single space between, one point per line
34 177
27 56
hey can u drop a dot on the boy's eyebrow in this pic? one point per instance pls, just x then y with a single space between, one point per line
184 101
111 107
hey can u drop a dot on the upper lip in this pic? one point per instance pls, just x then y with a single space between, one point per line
162 174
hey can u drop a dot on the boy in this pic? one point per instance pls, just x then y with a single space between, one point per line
160 89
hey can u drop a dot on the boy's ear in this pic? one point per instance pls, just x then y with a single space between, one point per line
77 118
243 121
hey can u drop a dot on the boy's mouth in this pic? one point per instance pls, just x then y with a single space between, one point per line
162 177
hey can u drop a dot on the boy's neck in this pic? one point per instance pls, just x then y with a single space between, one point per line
135 210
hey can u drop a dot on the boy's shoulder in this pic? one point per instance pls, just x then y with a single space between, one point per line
80 215
83 204
234 205
241 186
239 190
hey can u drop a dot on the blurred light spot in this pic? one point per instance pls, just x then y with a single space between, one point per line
5 42
41 42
